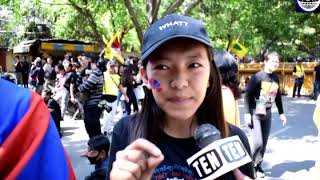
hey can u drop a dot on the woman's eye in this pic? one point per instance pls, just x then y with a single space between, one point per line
194 65
161 67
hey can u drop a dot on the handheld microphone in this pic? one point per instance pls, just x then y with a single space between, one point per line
217 156
205 134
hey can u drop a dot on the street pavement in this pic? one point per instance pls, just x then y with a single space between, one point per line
291 152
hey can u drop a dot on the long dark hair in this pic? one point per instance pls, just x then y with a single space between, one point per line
127 77
228 69
151 119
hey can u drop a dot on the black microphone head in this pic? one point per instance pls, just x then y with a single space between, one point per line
205 134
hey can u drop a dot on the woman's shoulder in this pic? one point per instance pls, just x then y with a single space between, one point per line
234 130
122 127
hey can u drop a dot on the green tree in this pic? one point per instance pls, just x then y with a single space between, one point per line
260 25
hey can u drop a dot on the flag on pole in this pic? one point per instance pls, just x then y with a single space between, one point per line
113 48
238 49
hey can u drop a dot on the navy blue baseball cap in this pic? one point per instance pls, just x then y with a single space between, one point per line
170 27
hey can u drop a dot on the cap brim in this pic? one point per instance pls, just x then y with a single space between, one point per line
158 44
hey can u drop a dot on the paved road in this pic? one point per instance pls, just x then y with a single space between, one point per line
291 151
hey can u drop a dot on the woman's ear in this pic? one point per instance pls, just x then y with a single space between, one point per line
144 77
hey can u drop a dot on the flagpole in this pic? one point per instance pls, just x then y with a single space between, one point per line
238 38
102 52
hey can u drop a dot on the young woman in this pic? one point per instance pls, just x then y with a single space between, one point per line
228 70
128 82
184 91
262 91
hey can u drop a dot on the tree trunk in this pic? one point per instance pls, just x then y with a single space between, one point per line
85 12
263 52
191 7
152 10
173 7
134 20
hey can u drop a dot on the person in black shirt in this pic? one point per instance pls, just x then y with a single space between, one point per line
25 72
183 92
316 86
71 82
92 88
97 154
54 108
18 69
37 76
262 91
128 82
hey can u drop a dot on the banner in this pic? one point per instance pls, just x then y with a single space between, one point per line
238 49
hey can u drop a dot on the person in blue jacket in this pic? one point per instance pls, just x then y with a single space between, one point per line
30 146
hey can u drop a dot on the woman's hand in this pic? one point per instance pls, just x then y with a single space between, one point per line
239 175
283 119
126 98
136 162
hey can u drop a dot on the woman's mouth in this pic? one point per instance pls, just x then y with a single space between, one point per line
180 99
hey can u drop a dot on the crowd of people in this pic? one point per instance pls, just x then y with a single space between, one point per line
90 83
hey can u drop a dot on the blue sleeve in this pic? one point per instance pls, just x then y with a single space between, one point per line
120 140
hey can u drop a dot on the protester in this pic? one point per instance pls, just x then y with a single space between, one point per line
128 83
25 72
111 87
66 60
97 154
92 88
71 86
18 69
298 73
29 141
228 69
54 108
50 74
183 92
262 91
139 89
37 76
62 94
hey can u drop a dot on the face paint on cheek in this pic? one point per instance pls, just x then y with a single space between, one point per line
155 84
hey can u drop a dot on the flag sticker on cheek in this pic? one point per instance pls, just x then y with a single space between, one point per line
155 84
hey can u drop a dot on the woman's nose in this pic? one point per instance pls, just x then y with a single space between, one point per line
179 80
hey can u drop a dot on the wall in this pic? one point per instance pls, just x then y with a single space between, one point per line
285 74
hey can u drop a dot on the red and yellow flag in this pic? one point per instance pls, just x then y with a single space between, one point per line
113 48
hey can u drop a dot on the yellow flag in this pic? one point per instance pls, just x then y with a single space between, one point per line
238 49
